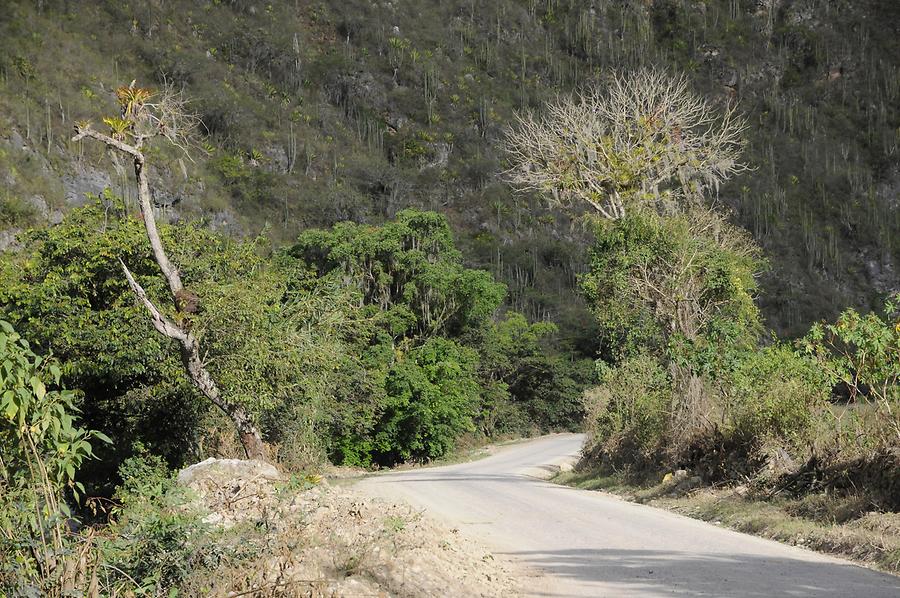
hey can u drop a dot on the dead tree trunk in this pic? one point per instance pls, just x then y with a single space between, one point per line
189 348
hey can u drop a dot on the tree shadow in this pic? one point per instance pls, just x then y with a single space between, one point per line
455 478
664 573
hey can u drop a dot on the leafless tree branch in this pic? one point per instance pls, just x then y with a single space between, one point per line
644 139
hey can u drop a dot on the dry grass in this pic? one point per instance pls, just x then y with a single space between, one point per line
844 525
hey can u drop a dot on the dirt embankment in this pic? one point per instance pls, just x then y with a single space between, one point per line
308 538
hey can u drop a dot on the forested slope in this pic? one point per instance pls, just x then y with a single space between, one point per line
317 112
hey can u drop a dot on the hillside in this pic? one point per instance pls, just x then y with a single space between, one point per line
317 112
334 237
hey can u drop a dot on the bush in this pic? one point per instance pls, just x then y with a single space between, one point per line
41 448
776 393
630 407
155 538
861 354
432 394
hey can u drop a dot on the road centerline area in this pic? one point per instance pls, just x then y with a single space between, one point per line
582 543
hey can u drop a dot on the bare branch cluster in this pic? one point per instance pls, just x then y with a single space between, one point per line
167 114
643 139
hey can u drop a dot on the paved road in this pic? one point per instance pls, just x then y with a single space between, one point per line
580 543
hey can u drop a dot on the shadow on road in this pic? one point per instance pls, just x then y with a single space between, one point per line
698 574
453 478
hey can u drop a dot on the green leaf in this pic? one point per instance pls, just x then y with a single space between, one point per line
10 408
102 437
40 391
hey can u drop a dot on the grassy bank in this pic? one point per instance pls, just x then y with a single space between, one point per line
848 526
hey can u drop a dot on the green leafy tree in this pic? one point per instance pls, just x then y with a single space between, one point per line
431 396
408 271
412 288
678 289
535 387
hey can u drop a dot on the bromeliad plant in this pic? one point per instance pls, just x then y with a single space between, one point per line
41 448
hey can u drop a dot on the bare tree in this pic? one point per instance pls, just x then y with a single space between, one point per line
146 115
643 140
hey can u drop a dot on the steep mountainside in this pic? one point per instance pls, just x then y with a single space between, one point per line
320 111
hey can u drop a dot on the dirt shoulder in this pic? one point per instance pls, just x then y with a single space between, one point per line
845 526
310 538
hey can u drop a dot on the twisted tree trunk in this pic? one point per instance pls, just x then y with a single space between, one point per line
189 348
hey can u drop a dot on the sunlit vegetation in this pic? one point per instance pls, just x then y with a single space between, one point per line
387 229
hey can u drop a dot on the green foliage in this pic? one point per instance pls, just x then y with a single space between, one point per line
431 394
776 393
41 448
66 291
630 407
38 423
270 330
273 334
862 352
330 353
155 538
409 273
674 299
548 388
432 363
680 283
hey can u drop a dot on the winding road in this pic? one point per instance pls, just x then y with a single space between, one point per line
580 543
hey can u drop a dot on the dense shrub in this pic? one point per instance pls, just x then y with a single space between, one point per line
156 538
41 449
775 393
676 289
631 405
675 298
431 395
66 293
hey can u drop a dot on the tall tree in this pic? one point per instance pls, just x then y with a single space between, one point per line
645 139
146 115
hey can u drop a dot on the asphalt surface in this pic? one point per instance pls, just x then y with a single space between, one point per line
580 543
